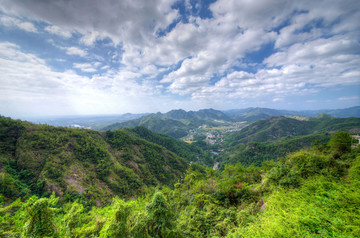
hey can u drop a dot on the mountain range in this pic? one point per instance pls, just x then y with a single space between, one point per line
253 114
177 123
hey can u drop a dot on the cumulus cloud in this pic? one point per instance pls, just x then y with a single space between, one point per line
14 22
123 21
87 67
242 50
75 51
58 31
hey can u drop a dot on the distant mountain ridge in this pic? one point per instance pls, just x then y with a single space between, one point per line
254 114
177 123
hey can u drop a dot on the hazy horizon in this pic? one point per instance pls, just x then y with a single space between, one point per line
87 57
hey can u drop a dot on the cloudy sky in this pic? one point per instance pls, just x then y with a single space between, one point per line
68 57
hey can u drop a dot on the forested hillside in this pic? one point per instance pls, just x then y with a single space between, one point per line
77 163
275 137
274 128
310 193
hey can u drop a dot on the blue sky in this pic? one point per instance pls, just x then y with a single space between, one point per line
111 57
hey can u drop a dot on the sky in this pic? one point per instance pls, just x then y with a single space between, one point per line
79 57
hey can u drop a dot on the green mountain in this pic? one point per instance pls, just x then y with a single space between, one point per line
278 136
257 152
254 114
274 128
175 123
78 163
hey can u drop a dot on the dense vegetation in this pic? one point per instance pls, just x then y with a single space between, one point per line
77 163
310 193
191 152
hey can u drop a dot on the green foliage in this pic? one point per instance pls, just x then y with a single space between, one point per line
72 220
40 223
118 226
10 131
354 170
159 217
320 208
340 143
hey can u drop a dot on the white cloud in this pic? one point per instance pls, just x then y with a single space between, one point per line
58 31
87 67
352 98
277 99
123 21
28 86
14 22
75 51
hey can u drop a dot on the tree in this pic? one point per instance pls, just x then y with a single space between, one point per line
159 216
118 225
41 214
72 219
340 143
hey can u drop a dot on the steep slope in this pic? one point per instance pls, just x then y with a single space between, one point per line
183 149
95 166
175 123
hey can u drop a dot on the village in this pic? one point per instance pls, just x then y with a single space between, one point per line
213 135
